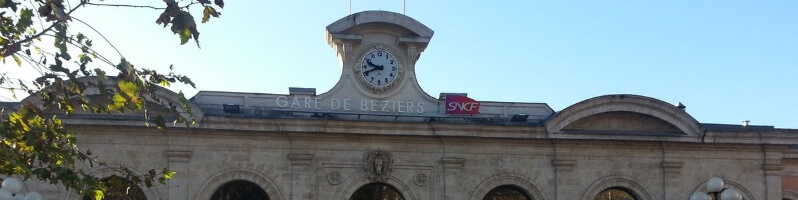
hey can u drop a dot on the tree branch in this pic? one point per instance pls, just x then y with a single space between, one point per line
37 35
124 5
137 6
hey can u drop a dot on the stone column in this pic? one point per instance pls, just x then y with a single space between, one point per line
452 168
672 173
772 167
178 162
301 177
564 185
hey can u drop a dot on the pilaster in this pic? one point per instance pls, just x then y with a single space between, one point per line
773 168
672 175
178 162
452 170
301 176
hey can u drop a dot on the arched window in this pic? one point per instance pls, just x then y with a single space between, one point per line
615 194
506 192
119 188
240 190
377 191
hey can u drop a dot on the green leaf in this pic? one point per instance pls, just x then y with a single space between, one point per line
100 73
184 26
9 4
19 61
98 194
25 21
168 173
185 34
119 102
208 12
160 122
129 88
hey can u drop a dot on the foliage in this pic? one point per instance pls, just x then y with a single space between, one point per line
35 141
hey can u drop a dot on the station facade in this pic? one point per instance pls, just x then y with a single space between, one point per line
376 132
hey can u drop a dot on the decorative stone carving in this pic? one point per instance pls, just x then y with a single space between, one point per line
421 179
334 178
378 165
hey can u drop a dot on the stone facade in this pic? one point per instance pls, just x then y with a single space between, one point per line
304 146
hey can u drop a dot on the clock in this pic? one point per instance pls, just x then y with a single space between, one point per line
378 69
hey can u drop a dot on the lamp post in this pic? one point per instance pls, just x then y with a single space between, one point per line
11 189
717 192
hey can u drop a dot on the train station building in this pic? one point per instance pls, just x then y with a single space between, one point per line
377 135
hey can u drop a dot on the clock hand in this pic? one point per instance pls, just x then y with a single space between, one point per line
376 67
368 61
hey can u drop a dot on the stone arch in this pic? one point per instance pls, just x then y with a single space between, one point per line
351 184
616 181
519 181
789 194
625 103
727 184
365 17
151 193
217 180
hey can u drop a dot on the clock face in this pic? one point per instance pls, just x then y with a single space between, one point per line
379 68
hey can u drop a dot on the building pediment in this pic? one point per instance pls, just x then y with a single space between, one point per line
624 114
622 122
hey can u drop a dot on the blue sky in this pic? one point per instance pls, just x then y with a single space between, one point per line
727 61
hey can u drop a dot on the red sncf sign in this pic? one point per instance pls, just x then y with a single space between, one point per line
456 104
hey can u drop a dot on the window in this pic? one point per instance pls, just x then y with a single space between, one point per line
376 191
240 190
506 192
615 194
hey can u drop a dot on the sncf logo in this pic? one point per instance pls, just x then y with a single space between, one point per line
456 104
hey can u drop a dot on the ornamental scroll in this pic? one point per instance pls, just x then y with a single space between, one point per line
378 165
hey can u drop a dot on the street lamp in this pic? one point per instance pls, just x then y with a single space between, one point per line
717 192
11 189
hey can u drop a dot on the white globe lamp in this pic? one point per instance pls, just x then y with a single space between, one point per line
731 194
715 184
699 196
13 185
33 196
5 194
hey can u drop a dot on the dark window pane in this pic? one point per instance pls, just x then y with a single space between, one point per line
506 192
615 194
376 191
240 190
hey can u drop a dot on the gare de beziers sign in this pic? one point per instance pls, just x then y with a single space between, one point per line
455 104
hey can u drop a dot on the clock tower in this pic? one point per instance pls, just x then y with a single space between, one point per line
378 51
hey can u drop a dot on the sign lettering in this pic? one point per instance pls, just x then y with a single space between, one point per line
334 104
461 105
